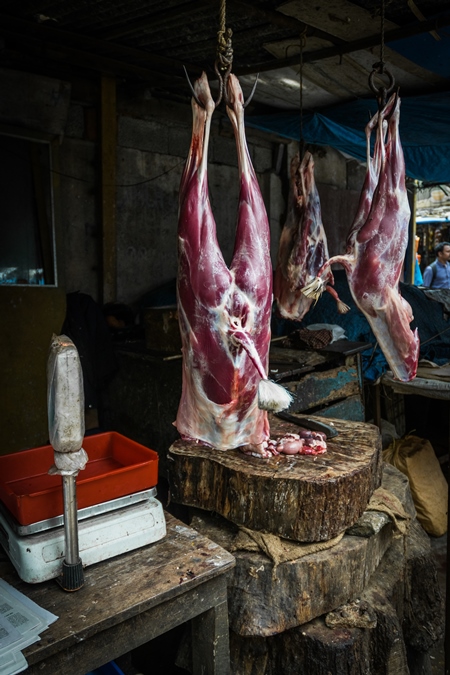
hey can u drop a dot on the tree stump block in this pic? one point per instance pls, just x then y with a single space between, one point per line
263 601
387 648
302 498
402 594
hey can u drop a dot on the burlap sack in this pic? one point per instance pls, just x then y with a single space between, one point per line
416 458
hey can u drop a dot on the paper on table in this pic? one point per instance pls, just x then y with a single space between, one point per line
21 622
8 634
13 663
47 616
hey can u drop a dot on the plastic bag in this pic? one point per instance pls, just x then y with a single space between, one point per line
338 333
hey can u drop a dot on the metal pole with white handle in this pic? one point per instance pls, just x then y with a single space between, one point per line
66 429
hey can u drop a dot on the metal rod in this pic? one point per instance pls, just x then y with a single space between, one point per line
71 556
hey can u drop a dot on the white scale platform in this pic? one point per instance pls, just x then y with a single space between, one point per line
104 531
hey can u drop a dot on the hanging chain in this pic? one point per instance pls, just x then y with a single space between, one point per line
379 69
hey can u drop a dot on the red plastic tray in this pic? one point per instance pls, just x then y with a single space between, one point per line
117 467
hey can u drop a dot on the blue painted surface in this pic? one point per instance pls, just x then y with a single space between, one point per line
434 55
110 668
320 388
349 409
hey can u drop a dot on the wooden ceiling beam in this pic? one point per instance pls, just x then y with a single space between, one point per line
93 62
284 21
410 30
154 22
63 38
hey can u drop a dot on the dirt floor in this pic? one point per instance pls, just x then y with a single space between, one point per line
439 546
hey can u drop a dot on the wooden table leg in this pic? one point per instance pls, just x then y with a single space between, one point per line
377 405
211 641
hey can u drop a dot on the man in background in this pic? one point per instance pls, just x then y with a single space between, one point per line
437 275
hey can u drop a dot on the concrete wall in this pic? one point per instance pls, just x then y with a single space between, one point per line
339 182
153 142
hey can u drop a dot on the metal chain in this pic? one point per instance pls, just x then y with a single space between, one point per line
379 68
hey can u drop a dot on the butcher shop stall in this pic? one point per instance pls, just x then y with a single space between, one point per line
225 369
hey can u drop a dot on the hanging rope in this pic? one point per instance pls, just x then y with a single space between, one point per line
224 46
379 69
302 140
224 53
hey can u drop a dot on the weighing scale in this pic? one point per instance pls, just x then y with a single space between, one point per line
47 537
104 531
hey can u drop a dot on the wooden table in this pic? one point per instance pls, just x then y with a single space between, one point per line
133 598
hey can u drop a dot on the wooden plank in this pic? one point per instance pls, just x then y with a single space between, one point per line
275 495
351 408
356 45
321 388
100 648
340 18
108 115
306 358
210 638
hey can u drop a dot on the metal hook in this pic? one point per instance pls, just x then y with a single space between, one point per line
381 92
196 98
252 92
394 105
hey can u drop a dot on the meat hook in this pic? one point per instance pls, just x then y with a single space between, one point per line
252 92
225 94
223 79
382 92
394 105
196 98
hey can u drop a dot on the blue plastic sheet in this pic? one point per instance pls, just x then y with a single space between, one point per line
428 318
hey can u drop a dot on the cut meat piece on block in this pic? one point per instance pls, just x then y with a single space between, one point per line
300 497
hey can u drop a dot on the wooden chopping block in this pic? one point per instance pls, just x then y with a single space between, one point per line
302 498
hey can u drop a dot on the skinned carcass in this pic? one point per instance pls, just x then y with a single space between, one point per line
303 248
376 246
224 313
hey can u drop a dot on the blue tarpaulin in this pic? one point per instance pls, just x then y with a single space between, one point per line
429 319
424 131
